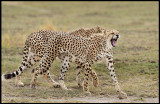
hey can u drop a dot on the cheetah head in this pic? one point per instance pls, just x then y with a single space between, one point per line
112 37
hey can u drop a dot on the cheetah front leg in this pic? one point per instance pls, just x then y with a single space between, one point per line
109 64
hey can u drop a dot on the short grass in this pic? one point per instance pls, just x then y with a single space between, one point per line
136 55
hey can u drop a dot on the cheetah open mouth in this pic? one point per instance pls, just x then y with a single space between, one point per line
113 42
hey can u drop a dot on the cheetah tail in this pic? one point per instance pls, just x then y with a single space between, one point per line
3 77
20 68
7 76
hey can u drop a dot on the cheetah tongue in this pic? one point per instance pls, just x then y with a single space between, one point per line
113 42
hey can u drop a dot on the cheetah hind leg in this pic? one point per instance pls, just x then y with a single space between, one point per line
47 76
64 68
122 95
78 78
34 79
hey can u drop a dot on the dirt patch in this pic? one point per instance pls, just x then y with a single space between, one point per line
100 99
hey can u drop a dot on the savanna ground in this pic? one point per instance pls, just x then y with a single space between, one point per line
136 55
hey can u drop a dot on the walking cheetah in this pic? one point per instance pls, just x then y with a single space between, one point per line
34 50
86 50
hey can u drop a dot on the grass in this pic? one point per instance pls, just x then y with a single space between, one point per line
136 54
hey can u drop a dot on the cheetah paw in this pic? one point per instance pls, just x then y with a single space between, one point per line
33 86
122 95
95 83
65 88
69 89
87 93
80 85
56 86
19 84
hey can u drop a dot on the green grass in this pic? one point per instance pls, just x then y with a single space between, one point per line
136 54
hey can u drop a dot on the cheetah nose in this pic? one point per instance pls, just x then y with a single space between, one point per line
117 36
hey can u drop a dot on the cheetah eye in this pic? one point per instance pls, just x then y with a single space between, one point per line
112 33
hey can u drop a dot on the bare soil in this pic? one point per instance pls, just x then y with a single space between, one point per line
91 99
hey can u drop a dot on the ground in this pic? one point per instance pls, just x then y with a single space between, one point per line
136 54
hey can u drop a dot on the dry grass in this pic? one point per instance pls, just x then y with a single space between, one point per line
136 54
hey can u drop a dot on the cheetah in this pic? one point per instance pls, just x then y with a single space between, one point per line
86 50
35 47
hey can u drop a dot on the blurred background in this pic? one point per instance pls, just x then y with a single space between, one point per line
136 54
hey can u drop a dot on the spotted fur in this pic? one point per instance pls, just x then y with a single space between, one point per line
35 48
85 50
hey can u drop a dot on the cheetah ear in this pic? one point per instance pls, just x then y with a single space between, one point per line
98 27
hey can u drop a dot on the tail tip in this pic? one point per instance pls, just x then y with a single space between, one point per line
3 77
